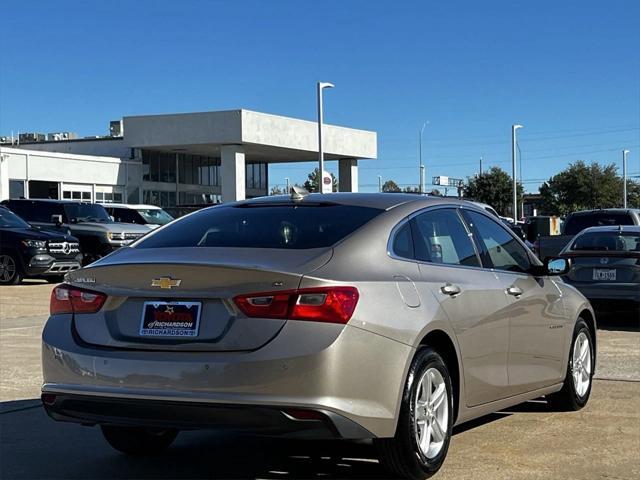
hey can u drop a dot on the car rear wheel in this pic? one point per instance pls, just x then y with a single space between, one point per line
577 384
138 440
10 270
419 447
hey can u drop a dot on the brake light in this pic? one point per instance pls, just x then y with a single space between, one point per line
68 299
327 304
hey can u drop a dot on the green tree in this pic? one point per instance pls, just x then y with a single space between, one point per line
390 186
583 187
494 188
276 190
410 189
311 184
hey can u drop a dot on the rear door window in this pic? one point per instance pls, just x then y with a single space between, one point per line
286 226
441 237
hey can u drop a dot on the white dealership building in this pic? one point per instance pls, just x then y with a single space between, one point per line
178 159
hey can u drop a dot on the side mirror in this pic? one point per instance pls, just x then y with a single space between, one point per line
57 219
557 265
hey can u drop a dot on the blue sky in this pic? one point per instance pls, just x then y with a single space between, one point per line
567 70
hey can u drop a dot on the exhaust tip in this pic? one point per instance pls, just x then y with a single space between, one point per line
48 398
302 415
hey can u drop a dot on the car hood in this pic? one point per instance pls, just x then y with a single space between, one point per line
37 234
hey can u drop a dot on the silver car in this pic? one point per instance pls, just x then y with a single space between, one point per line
359 316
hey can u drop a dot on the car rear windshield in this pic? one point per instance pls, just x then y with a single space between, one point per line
576 223
607 241
263 226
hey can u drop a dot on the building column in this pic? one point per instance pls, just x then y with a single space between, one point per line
4 176
348 175
233 173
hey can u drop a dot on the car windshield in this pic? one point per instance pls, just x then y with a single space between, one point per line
263 226
86 212
608 241
575 224
8 219
156 216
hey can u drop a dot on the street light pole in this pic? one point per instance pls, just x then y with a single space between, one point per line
513 165
379 183
286 181
321 86
624 178
421 186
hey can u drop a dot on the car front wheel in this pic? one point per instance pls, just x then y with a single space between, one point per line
419 447
10 271
577 384
138 440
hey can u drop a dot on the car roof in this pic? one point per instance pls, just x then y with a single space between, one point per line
47 200
606 210
383 201
132 206
612 228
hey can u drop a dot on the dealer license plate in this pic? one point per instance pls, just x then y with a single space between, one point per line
170 319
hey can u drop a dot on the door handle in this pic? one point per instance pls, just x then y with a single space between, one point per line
515 291
449 289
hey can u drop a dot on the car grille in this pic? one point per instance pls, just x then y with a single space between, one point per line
64 248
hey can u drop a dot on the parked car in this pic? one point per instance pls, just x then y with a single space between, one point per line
606 267
26 251
285 316
517 228
148 215
98 234
552 245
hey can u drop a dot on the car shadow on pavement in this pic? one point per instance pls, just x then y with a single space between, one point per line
33 446
629 322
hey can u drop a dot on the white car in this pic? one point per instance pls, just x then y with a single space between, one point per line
147 215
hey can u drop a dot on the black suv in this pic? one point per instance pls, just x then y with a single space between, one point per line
99 235
26 251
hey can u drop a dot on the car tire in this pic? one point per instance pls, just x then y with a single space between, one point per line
138 441
10 270
405 454
576 388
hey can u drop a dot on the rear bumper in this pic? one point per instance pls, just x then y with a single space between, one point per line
342 371
610 297
270 421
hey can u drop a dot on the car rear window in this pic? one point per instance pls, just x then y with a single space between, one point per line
577 223
607 242
263 226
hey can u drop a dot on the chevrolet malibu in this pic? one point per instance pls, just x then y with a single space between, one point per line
358 316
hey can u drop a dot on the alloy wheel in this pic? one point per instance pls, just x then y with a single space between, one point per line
431 417
7 268
581 364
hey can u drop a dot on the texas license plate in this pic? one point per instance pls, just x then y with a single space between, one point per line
170 319
604 274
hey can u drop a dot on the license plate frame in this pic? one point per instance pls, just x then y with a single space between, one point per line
175 321
604 274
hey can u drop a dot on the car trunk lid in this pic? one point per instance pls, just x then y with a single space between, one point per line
204 280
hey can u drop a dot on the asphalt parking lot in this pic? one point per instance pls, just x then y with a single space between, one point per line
527 442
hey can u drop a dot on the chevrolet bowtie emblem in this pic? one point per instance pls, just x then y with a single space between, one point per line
165 282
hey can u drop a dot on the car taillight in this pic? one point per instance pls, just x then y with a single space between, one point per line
68 299
327 304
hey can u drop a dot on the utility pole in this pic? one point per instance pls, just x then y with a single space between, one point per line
379 183
514 141
624 178
286 181
421 186
480 166
321 86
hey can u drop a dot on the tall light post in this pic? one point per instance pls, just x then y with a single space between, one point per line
286 181
379 183
514 142
421 171
624 178
321 86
